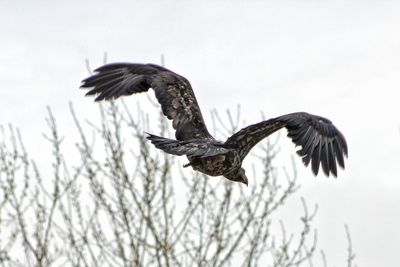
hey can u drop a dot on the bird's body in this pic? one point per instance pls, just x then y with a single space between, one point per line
208 156
321 142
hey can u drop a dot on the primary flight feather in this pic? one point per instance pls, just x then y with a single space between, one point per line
321 142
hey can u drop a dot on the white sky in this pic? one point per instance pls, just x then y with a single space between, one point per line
339 59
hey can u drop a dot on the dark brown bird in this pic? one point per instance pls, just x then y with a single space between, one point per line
321 142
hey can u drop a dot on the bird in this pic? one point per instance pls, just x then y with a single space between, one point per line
320 142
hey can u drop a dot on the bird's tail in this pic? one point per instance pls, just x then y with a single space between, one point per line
193 148
167 145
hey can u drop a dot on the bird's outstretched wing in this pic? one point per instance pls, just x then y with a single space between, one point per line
321 142
173 92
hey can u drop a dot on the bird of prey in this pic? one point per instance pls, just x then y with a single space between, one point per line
321 142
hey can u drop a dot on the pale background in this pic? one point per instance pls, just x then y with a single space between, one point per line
339 59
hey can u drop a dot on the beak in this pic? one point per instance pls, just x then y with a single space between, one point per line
245 181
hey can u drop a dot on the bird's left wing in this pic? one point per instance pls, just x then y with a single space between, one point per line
321 142
173 92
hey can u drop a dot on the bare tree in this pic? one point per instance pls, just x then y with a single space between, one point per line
121 202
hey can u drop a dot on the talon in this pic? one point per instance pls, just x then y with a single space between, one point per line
187 165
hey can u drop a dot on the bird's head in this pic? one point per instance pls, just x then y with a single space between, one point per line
238 175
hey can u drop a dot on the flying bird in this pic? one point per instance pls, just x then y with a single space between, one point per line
320 141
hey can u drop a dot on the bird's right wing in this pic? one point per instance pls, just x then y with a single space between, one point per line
321 142
173 92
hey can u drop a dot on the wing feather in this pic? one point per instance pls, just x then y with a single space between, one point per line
100 78
326 146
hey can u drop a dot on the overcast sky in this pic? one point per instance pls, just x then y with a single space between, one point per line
339 59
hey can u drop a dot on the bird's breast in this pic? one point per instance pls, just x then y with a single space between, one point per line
216 165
